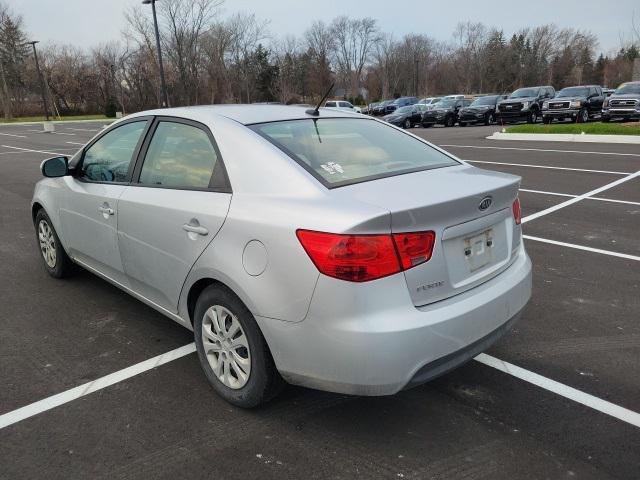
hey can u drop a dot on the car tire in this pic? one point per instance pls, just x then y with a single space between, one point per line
583 116
449 121
240 356
406 124
56 261
489 119
532 117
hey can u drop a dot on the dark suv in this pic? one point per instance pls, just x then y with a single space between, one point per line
399 102
445 112
575 103
624 103
524 104
481 110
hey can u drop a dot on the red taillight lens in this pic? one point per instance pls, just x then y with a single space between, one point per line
517 213
359 258
414 248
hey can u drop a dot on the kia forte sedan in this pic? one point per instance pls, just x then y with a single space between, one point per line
321 248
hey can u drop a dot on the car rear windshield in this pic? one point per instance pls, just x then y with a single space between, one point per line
344 151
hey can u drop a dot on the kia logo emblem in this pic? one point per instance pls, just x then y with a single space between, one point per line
485 203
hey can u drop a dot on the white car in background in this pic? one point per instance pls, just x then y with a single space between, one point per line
342 105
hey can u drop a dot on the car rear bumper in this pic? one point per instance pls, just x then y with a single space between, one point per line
369 339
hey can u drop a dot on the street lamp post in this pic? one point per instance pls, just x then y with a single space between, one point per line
42 87
163 85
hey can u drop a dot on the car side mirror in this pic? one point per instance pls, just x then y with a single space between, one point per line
55 167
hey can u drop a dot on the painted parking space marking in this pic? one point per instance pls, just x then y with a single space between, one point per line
579 198
569 195
67 396
608 408
35 151
609 172
48 403
544 150
75 143
13 135
582 247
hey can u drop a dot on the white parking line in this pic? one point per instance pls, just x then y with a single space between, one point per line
13 135
85 129
547 167
75 143
542 192
577 199
608 408
68 395
54 401
35 151
543 150
582 247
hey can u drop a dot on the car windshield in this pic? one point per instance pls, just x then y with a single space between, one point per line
484 101
627 88
525 92
574 92
343 151
406 109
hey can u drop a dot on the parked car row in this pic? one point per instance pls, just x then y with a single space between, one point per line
531 104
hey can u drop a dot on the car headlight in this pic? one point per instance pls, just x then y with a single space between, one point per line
576 104
545 106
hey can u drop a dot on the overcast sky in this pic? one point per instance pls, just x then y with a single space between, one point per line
90 22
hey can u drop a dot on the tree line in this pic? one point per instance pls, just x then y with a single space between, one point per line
211 58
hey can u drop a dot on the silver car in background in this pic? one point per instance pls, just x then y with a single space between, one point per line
322 248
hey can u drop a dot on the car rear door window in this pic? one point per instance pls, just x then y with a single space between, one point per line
109 158
179 156
343 151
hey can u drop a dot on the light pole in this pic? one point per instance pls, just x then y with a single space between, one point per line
42 87
163 85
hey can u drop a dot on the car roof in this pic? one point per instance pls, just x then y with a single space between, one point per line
247 114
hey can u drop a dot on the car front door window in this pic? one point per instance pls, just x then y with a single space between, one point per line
109 158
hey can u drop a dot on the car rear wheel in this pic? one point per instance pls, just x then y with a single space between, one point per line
56 261
232 351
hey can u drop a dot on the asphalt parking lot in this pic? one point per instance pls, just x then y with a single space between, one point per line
581 331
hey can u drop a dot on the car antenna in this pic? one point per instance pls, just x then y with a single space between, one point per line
316 111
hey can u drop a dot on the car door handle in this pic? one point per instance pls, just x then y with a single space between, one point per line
106 210
199 229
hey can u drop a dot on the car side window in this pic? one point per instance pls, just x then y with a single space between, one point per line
109 158
179 156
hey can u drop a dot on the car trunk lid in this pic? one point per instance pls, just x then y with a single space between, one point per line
474 242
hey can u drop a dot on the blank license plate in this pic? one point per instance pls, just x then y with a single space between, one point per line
478 250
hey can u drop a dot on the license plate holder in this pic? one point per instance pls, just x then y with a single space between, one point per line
478 250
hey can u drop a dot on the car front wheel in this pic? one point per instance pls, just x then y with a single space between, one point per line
56 261
232 351
406 124
533 117
583 116
490 119
449 122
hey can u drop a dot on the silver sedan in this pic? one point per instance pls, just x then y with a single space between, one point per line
320 248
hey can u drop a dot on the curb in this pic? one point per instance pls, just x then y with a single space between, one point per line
566 137
9 124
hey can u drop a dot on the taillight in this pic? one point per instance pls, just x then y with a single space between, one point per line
414 248
517 213
360 258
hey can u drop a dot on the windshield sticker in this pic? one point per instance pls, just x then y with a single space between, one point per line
332 167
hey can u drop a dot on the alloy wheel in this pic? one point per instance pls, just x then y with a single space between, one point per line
47 243
226 347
